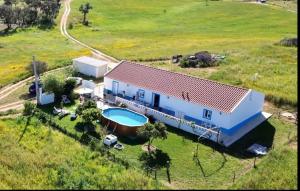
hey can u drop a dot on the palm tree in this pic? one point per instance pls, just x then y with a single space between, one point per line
85 8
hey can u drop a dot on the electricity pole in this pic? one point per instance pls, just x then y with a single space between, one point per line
36 81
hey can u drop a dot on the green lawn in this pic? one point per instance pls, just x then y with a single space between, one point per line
36 157
244 32
217 171
17 49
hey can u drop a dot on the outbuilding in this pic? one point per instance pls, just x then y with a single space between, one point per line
90 66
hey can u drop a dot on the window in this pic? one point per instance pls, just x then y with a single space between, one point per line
141 93
207 114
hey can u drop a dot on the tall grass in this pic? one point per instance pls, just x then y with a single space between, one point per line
37 157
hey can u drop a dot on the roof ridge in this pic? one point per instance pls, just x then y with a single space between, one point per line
130 62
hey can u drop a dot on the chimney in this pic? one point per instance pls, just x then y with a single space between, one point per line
187 96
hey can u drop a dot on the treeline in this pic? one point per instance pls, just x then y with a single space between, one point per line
24 13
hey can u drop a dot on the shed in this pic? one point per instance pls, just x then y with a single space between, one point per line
90 66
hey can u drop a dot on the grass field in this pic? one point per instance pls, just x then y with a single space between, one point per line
218 172
217 166
17 49
36 157
132 29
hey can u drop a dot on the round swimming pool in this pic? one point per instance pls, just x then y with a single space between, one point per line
125 121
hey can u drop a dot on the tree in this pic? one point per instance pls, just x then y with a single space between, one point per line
49 10
53 84
10 2
69 86
85 8
90 115
153 131
41 67
86 105
7 15
29 108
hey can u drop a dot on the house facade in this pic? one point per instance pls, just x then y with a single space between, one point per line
209 105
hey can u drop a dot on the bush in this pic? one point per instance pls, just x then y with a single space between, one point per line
53 84
70 26
86 105
289 42
69 86
200 59
29 108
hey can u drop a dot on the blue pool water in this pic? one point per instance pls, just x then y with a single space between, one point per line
125 117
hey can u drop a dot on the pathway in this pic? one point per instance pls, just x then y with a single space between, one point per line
63 29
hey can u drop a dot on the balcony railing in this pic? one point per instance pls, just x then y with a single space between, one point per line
197 129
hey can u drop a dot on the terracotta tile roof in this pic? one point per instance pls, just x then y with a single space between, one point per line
209 93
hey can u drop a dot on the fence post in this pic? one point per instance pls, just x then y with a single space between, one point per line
254 166
168 171
233 177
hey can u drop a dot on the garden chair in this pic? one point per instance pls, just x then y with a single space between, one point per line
56 111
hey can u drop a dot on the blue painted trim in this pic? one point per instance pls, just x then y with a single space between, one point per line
235 128
197 121
167 111
128 98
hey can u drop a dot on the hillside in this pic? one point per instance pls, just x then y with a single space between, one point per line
37 157
17 49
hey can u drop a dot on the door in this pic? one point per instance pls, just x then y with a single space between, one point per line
115 87
156 98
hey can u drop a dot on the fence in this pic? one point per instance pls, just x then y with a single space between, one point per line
185 125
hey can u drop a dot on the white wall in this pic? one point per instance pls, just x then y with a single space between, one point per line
90 70
175 104
171 121
250 105
46 98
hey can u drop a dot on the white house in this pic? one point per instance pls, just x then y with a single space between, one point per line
220 112
90 66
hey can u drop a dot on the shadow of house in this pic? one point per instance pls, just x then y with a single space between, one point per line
262 134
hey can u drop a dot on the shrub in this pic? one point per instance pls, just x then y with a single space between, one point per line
289 42
29 108
69 86
70 26
86 105
53 84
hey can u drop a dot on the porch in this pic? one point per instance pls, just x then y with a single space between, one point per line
207 131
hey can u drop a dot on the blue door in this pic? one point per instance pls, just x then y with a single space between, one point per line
115 87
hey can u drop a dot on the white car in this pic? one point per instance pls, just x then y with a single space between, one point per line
110 140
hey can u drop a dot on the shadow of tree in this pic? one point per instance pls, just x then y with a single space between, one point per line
28 120
157 159
198 162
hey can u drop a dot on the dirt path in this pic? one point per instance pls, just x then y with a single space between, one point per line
273 5
63 29
15 105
